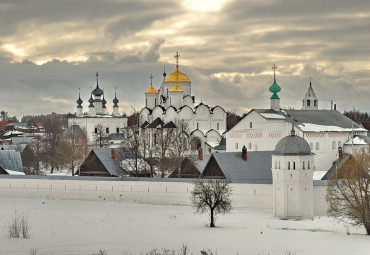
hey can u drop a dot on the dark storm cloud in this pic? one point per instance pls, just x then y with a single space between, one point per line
227 54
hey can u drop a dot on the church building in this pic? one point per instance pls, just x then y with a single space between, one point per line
173 101
97 118
324 130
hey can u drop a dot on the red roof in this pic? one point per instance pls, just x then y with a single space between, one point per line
6 122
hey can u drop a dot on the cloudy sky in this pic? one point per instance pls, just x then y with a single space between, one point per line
50 48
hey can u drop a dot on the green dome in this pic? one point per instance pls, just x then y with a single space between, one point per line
274 87
274 96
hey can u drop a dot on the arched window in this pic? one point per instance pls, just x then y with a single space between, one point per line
275 164
303 165
308 102
146 102
249 146
250 125
334 145
308 164
236 145
288 165
311 146
317 146
293 165
218 126
279 164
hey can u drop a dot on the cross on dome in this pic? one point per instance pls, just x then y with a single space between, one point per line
151 79
274 67
177 56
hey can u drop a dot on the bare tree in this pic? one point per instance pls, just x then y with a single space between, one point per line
162 141
180 145
53 128
213 196
72 149
133 143
348 192
100 136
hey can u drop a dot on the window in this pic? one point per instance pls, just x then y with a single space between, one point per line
275 164
117 130
249 146
339 144
311 146
317 146
279 164
250 125
96 130
146 102
308 164
308 102
107 130
293 165
315 102
218 126
288 165
303 165
334 145
256 147
197 125
236 146
155 101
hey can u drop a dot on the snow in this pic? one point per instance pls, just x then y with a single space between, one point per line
356 141
317 175
323 128
14 172
85 227
272 116
213 144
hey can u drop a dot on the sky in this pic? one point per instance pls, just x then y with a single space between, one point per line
51 48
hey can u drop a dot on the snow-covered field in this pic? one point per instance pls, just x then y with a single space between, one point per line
85 227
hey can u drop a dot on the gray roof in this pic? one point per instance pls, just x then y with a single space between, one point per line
73 130
221 145
112 165
200 164
336 165
21 140
13 147
116 136
292 145
257 167
317 117
11 160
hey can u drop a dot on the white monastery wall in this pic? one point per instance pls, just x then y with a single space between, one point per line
254 196
89 124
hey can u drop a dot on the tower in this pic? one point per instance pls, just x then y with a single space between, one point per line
292 174
104 107
91 106
115 104
79 105
151 95
310 101
275 88
98 92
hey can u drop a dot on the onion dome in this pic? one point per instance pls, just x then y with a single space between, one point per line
176 88
97 91
292 145
151 90
274 88
177 76
91 101
115 101
79 101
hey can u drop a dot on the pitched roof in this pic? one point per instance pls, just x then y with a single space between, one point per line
11 160
157 122
336 165
112 165
73 129
169 125
359 140
257 168
116 136
222 145
314 120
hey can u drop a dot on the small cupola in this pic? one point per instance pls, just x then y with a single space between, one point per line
275 88
310 101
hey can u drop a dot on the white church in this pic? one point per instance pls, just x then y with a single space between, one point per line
173 101
97 118
324 130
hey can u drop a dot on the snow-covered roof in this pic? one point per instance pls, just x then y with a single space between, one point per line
272 116
11 172
11 160
359 140
309 127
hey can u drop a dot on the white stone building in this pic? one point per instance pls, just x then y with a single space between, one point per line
324 130
173 101
98 116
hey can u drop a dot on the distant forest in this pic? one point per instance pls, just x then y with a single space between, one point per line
357 116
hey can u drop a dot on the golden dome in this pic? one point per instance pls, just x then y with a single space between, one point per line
151 90
177 76
176 88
